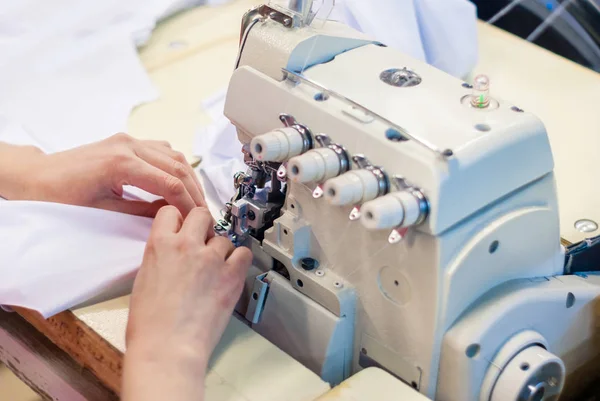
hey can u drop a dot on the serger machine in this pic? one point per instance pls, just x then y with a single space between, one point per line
400 218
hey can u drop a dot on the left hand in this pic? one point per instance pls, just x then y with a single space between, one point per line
94 175
182 300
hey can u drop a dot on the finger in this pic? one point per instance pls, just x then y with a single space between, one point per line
168 220
158 182
174 167
179 157
222 246
240 260
157 144
199 224
136 208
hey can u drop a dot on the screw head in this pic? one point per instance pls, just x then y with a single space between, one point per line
586 225
337 284
320 273
309 263
251 215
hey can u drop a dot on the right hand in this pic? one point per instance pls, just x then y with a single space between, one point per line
182 300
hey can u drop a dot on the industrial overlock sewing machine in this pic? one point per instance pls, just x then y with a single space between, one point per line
400 218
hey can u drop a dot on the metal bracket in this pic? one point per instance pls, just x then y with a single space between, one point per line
257 299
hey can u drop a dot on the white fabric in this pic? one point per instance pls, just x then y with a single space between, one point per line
69 70
220 150
54 256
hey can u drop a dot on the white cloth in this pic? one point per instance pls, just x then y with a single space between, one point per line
53 256
442 33
220 150
69 70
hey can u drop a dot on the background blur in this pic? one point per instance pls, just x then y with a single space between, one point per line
570 28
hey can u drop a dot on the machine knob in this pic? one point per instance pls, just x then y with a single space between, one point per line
395 210
352 188
533 374
316 165
278 145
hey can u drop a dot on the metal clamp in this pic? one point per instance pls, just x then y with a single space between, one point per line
400 183
290 122
382 181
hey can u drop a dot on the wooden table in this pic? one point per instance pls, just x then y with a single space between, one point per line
191 56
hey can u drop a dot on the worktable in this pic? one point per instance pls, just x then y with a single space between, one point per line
189 58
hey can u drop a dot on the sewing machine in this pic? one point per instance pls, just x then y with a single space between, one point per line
400 218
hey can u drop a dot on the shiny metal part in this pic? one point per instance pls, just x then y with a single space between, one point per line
397 235
354 213
534 392
282 172
251 18
400 77
400 184
260 14
298 78
341 153
586 226
302 12
382 179
318 192
307 138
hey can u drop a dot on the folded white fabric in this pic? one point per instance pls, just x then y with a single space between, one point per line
53 256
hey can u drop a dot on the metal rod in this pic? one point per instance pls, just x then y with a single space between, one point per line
302 7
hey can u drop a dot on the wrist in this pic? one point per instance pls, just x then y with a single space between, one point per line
19 171
158 374
176 357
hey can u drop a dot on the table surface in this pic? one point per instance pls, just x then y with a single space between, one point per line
191 56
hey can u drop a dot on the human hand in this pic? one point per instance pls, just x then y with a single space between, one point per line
181 302
94 175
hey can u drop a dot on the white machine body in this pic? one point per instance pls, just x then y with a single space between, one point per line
406 226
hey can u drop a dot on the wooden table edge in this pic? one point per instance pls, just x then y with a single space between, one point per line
84 345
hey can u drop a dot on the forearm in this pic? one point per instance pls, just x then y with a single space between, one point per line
149 376
17 170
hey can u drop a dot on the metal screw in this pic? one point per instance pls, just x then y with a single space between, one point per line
586 225
251 215
309 263
337 284
320 273
535 392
